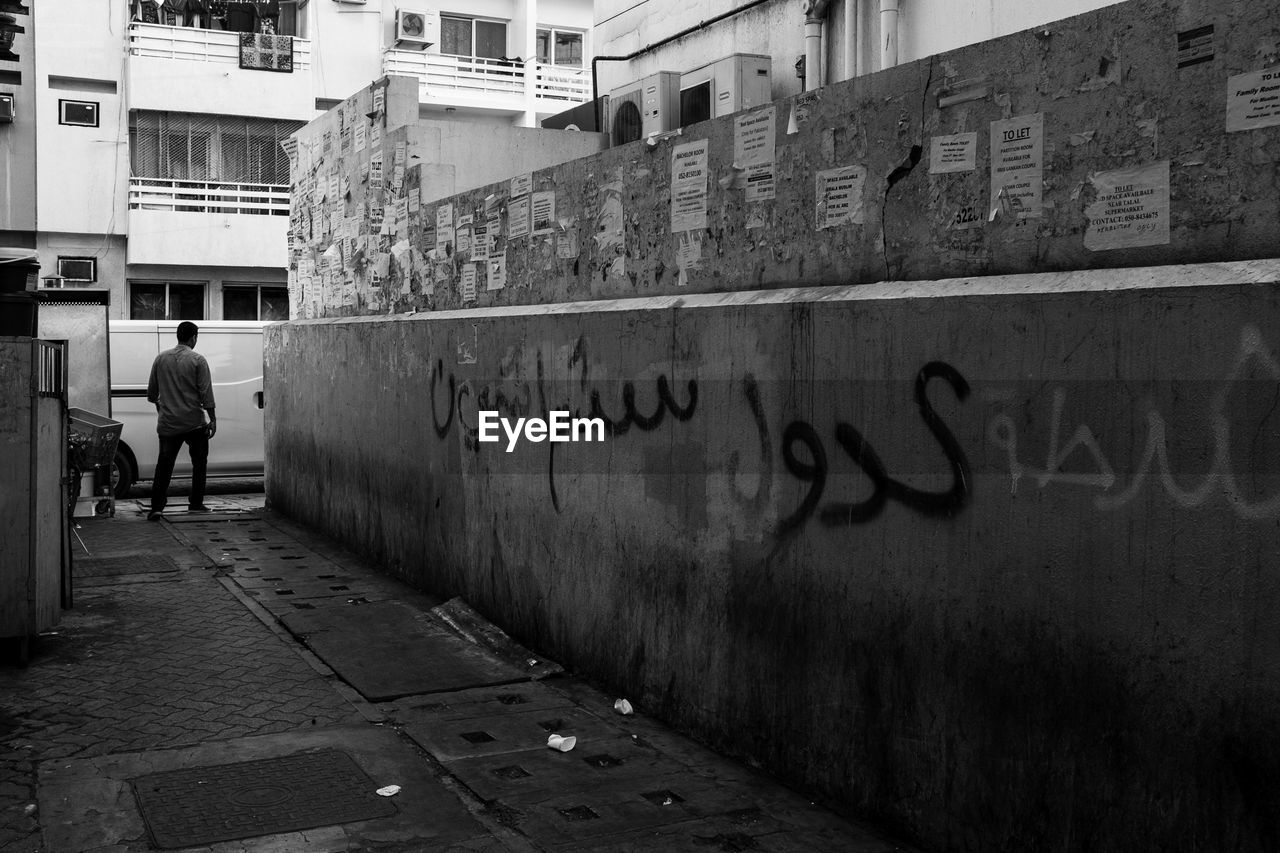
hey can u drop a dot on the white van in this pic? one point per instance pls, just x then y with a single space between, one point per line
233 349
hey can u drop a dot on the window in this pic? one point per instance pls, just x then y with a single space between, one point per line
473 37
191 147
255 302
78 269
560 47
166 300
78 113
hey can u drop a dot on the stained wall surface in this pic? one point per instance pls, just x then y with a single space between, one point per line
959 511
998 567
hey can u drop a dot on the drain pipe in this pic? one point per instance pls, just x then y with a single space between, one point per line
814 68
888 33
850 39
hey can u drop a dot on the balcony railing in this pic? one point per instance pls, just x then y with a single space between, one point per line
208 197
441 75
197 45
563 84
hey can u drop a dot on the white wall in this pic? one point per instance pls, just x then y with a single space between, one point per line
218 89
82 173
207 239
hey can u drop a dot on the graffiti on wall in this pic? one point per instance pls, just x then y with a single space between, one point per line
1153 467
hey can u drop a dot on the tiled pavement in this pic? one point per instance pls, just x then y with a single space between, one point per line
162 665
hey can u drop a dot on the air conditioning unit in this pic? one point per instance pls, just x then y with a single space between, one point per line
417 27
737 82
6 108
648 106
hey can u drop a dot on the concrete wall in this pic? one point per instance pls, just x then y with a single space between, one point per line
1038 609
18 140
338 254
1112 98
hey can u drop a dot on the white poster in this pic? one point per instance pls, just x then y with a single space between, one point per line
955 153
444 228
838 193
689 187
518 218
497 266
480 241
754 138
468 282
521 185
1253 100
1017 166
544 212
1131 208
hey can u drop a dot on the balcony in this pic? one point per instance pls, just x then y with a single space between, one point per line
207 62
207 223
196 45
488 85
564 87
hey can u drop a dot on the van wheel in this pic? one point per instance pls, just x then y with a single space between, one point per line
121 475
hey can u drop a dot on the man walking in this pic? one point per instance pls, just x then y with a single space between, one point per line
182 390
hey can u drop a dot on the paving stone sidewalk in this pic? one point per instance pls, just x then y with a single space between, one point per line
175 652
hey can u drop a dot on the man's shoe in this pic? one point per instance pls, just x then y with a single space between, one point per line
155 515
198 508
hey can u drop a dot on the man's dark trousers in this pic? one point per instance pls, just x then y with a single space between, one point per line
198 442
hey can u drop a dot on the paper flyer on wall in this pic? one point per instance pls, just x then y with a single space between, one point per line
957 152
444 228
1131 208
518 218
497 268
468 282
1017 166
480 241
689 186
544 212
1253 100
838 195
521 185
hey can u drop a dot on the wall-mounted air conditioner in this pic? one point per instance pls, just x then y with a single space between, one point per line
648 106
417 27
737 82
6 108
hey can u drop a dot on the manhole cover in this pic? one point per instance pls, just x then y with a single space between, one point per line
129 564
186 808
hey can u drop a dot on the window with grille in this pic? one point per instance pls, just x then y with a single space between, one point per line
560 47
473 37
192 147
255 302
166 300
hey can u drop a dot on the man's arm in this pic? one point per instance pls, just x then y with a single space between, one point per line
205 382
153 384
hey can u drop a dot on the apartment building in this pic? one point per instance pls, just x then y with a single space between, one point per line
146 156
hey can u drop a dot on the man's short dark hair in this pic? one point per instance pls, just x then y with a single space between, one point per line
187 330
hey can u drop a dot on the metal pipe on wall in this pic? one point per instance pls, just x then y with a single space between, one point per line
888 33
814 66
849 60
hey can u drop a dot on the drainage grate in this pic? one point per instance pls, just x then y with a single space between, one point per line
186 808
129 564
515 771
576 813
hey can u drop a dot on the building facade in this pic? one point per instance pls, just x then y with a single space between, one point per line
145 155
805 44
